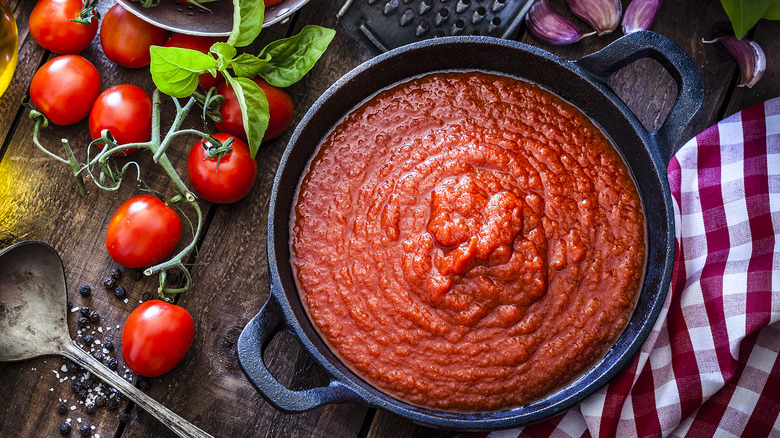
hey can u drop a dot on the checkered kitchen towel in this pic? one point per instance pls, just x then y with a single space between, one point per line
710 366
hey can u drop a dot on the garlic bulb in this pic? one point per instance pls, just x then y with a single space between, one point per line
640 15
602 15
749 56
549 27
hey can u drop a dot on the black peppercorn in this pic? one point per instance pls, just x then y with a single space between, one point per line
71 366
83 321
112 403
89 383
109 345
124 418
83 394
70 304
100 401
90 408
146 297
84 310
85 290
112 364
144 384
85 430
65 429
89 339
116 274
98 355
77 385
109 282
120 292
62 410
94 316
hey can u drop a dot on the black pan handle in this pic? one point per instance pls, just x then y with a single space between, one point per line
252 344
646 44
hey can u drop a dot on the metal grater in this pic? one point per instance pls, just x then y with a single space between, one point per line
382 25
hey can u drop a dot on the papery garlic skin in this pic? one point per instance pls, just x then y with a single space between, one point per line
749 56
640 15
602 15
549 27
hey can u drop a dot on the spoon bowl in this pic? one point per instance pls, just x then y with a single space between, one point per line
33 322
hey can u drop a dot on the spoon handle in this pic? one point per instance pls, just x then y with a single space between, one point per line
177 424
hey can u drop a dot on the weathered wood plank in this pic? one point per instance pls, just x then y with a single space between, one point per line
39 200
231 285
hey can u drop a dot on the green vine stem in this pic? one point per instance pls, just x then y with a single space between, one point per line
110 176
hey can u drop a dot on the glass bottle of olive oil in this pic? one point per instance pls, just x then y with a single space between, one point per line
9 45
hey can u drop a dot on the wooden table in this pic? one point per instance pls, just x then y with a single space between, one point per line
39 200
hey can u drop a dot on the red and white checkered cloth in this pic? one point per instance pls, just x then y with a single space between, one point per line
710 366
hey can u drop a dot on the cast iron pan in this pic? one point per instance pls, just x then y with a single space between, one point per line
585 83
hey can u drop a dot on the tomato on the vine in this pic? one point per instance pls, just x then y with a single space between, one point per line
222 180
65 88
155 338
280 107
126 38
142 232
51 26
126 111
201 44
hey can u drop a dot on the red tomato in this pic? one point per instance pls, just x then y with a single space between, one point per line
268 3
50 26
65 88
126 111
279 104
201 44
126 38
224 181
155 338
142 232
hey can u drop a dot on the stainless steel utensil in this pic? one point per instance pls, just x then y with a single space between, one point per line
33 322
177 16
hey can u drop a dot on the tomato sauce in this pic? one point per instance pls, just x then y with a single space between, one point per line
468 242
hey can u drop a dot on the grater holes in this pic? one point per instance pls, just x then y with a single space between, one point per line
441 17
390 7
406 17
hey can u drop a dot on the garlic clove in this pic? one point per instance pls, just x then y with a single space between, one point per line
549 27
640 15
602 15
749 56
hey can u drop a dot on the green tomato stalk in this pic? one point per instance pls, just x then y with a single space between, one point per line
103 172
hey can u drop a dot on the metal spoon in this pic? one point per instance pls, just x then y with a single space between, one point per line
33 322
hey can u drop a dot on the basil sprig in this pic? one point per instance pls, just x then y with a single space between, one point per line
175 71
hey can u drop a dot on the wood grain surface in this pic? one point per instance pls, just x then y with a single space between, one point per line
38 200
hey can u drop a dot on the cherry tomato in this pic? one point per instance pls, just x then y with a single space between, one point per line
268 3
65 88
142 232
51 26
201 44
155 338
126 38
280 107
224 181
126 111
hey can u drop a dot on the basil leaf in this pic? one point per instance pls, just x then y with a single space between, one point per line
773 12
254 110
175 70
744 14
291 58
247 65
247 22
223 50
